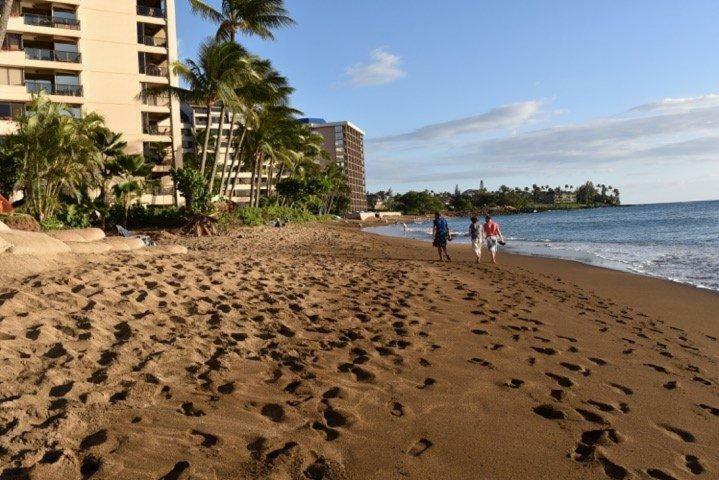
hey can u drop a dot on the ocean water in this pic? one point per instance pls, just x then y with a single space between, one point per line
676 241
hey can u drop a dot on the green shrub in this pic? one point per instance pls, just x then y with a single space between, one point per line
193 185
73 216
143 216
52 224
254 216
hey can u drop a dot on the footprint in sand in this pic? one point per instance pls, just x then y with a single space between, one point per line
678 433
208 440
713 410
190 410
660 475
90 466
590 416
94 439
514 383
693 465
56 351
549 412
561 380
479 361
226 388
612 470
586 447
622 388
428 382
61 390
176 471
420 447
274 412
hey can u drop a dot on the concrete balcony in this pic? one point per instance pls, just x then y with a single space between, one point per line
43 25
57 89
57 93
51 21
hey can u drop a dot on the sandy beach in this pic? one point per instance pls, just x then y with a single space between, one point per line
321 352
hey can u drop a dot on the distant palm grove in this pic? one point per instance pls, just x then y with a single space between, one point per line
502 200
70 171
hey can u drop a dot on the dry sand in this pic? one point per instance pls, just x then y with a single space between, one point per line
324 353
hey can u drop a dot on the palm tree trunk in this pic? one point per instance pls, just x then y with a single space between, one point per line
218 145
270 173
280 172
4 18
257 180
227 152
252 181
236 160
206 143
260 169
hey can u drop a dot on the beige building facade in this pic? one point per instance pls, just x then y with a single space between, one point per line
98 56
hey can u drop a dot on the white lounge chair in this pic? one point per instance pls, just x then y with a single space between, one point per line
149 242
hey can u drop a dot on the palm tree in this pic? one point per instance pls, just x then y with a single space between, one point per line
268 91
56 154
132 174
251 17
210 81
110 146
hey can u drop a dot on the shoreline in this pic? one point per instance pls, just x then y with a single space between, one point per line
586 254
321 351
588 276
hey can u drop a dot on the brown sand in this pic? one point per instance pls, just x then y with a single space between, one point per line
324 353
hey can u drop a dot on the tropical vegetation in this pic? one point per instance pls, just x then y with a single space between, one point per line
504 199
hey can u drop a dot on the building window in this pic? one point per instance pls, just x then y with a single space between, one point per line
11 111
11 76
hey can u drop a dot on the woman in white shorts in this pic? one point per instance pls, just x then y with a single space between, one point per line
492 236
476 233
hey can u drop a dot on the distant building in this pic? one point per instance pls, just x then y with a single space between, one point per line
564 197
344 142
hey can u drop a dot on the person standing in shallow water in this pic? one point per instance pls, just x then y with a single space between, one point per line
476 234
441 234
493 236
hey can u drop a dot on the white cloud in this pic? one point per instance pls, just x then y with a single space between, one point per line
668 138
506 116
679 103
384 68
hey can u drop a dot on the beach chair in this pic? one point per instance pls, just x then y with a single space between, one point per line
129 234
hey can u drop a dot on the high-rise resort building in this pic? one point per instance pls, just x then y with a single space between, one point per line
194 121
344 142
98 56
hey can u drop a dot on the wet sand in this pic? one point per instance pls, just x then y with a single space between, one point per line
322 352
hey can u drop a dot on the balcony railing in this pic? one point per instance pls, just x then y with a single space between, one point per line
150 11
54 88
156 130
51 21
155 100
152 41
52 55
155 70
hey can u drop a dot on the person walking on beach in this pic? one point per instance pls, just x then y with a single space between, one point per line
493 236
441 234
476 233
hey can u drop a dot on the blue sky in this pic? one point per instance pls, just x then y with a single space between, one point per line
511 92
